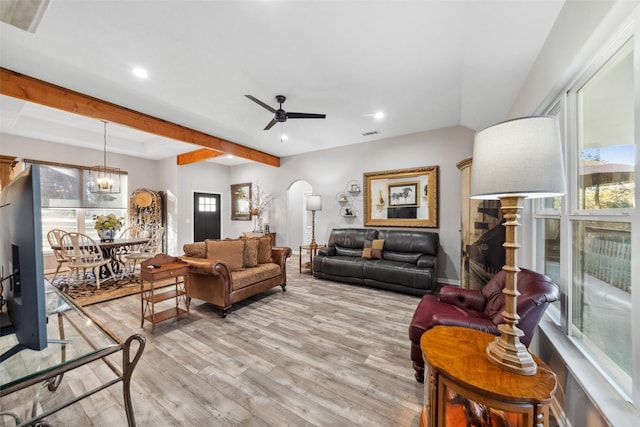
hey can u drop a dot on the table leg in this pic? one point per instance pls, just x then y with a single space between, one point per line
128 365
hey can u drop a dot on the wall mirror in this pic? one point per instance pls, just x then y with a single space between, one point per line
241 202
401 198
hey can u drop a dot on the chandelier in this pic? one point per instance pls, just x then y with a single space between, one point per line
104 179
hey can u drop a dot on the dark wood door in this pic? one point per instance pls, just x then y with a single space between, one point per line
206 216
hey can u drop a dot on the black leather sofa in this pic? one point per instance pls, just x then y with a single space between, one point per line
408 261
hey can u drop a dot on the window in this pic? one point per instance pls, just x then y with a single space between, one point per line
584 239
601 249
68 204
606 148
207 204
601 295
549 228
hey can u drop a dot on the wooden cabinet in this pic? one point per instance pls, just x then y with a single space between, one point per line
156 271
481 235
463 387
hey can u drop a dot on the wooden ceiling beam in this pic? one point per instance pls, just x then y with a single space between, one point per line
197 156
31 89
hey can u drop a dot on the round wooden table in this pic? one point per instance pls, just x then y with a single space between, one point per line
463 387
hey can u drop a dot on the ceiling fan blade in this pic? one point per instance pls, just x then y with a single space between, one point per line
271 123
257 101
305 116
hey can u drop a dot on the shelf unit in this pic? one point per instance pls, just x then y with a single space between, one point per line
162 267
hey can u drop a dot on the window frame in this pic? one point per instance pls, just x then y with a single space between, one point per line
566 104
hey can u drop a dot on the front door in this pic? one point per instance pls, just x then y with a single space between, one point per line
206 216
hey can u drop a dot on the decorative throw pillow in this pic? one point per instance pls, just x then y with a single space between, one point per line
373 249
197 249
250 253
230 252
366 251
264 250
376 248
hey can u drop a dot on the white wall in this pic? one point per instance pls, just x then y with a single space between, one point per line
328 172
203 177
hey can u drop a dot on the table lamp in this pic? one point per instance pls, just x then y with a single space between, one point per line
514 160
314 203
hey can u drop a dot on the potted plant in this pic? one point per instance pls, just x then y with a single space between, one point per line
107 226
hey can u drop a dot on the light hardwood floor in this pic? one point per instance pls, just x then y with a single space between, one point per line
319 354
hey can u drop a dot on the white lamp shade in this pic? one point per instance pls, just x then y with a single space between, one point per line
314 202
520 157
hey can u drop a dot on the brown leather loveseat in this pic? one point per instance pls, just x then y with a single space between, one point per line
224 272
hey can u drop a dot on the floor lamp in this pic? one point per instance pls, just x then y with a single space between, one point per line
514 160
314 203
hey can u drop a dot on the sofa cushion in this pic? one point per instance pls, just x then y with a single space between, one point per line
196 250
264 250
251 276
410 241
351 238
250 257
231 252
373 249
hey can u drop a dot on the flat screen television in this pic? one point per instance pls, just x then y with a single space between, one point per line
21 262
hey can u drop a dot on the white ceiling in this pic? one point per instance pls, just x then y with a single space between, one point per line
426 64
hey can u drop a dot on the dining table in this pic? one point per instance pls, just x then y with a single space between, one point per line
113 250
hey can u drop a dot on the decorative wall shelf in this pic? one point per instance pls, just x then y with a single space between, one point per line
342 197
354 187
348 211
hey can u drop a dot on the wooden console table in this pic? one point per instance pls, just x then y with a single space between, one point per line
154 270
462 387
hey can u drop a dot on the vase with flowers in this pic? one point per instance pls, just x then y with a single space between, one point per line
107 226
260 201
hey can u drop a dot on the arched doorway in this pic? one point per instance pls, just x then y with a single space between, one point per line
298 219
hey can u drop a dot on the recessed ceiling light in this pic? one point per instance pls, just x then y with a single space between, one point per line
379 115
140 72
283 137
229 156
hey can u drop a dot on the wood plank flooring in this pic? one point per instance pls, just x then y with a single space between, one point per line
319 354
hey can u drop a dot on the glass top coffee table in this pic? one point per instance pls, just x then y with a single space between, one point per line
75 339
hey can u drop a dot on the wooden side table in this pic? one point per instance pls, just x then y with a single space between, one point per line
311 249
462 387
153 270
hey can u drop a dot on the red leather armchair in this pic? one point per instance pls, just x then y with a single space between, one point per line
481 309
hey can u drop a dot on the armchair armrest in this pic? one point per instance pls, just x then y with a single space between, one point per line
280 255
461 297
201 265
328 251
427 261
471 322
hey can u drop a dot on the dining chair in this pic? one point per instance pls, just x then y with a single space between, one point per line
54 236
146 250
82 252
131 232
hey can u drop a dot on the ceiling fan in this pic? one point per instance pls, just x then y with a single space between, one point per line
281 115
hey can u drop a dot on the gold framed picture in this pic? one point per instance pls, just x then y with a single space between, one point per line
402 197
241 202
